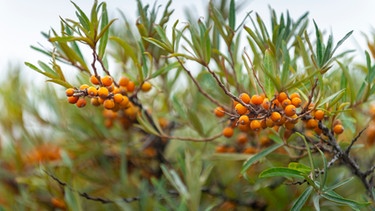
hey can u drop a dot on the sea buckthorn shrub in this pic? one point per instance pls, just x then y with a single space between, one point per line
210 113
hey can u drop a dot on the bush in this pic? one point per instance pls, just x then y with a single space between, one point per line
214 113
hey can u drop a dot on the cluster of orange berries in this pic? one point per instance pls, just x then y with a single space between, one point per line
257 112
113 96
245 143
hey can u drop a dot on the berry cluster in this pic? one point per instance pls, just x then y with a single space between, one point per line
113 96
257 112
246 143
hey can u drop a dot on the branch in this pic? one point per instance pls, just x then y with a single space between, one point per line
227 92
199 87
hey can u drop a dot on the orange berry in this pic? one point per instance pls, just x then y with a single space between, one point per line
296 101
118 98
290 110
255 125
276 103
109 104
281 121
294 118
92 91
228 132
130 87
108 123
250 150
235 103
319 114
244 127
107 80
312 123
95 101
289 125
266 103
125 102
269 122
103 92
265 141
257 99
263 123
123 81
109 114
83 87
221 149
94 80
73 99
282 96
69 92
231 149
219 111
111 88
338 129
318 130
242 139
146 86
240 109
294 95
275 116
286 102
243 120
58 203
81 102
245 98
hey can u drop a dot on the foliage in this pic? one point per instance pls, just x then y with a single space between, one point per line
215 114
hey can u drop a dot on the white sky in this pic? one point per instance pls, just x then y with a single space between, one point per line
22 21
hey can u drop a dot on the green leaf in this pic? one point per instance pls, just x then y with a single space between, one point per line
128 49
176 181
158 44
165 69
194 120
286 59
342 41
48 74
232 15
347 82
281 172
339 184
274 136
316 203
298 204
104 39
60 82
332 99
325 169
299 167
84 20
259 156
146 125
270 71
334 197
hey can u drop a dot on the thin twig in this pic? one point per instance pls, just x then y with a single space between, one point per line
347 151
311 95
226 91
199 87
254 73
192 139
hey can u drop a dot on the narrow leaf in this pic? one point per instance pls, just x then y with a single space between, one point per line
298 204
232 15
281 172
259 156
